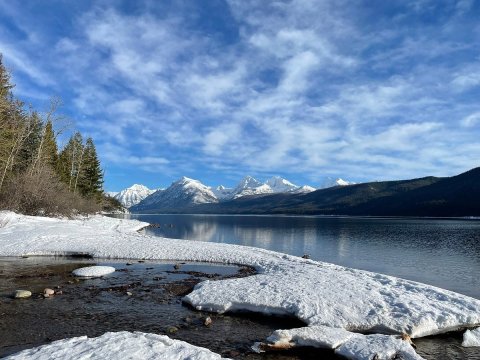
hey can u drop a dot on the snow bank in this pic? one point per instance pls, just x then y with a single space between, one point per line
320 294
93 271
471 338
121 345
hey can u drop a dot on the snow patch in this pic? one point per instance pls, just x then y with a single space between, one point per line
118 346
471 338
377 346
93 271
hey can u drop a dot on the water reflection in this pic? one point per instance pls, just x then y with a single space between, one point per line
444 253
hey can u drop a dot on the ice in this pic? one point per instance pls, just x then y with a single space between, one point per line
117 346
377 346
320 294
93 271
471 338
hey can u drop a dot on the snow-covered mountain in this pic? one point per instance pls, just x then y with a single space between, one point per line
187 192
250 186
182 193
280 185
133 195
305 189
330 182
222 193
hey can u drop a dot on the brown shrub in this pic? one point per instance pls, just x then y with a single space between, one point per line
40 192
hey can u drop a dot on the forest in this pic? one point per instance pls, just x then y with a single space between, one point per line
37 177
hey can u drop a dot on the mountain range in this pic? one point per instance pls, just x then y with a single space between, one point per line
428 196
186 191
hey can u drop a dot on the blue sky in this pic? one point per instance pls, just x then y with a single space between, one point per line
215 90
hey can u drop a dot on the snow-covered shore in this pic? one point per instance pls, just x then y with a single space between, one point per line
335 302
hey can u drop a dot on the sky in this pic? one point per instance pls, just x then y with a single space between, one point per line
216 90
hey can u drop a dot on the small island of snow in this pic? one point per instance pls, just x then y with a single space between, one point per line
93 271
116 346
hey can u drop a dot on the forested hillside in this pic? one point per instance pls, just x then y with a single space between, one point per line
36 177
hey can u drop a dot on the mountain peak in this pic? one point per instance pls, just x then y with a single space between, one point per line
279 184
133 195
248 182
330 182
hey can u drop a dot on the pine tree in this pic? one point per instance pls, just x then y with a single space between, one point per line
30 146
91 178
71 161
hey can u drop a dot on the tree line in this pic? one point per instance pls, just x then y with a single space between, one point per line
36 177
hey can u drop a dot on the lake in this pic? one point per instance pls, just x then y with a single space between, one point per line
440 252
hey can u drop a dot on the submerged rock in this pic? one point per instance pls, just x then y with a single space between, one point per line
22 294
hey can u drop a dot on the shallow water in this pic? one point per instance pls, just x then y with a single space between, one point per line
440 252
94 306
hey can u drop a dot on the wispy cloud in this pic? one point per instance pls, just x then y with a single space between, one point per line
305 88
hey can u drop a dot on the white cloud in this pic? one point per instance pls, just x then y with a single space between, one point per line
471 120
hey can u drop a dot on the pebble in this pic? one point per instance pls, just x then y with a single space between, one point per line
129 293
207 321
172 329
48 292
22 294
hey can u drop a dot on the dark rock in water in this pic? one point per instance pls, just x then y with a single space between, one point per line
176 266
306 256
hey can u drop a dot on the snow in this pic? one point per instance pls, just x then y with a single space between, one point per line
93 271
329 182
133 195
382 347
118 345
471 338
222 193
305 189
249 186
330 299
279 185
182 193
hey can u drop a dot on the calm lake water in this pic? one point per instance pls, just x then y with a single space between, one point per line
440 252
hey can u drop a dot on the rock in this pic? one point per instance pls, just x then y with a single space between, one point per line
306 256
48 292
172 329
176 266
207 321
22 294
58 292
129 293
129 263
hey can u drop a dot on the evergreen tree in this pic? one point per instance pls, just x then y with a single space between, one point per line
71 161
50 149
91 177
30 146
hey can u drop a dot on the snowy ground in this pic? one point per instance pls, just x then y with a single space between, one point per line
335 302
121 345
